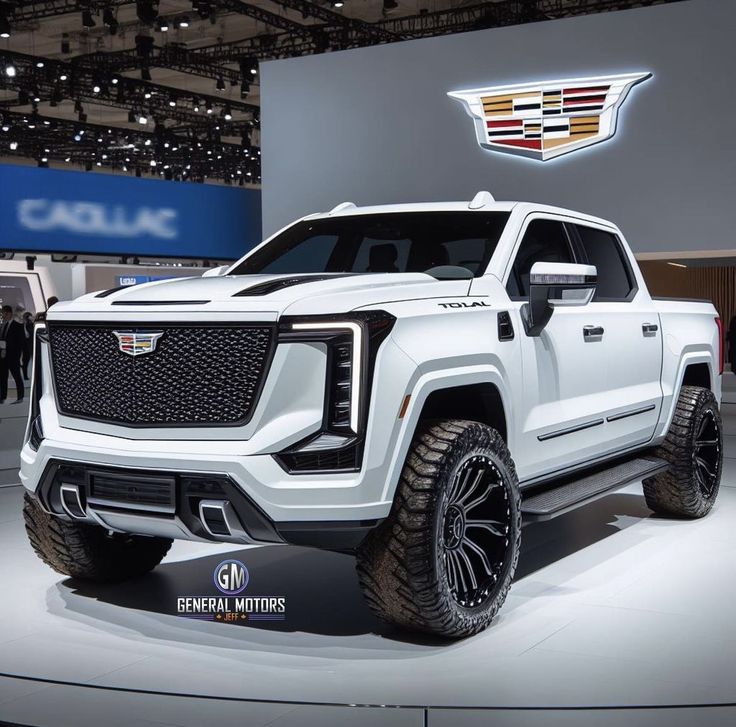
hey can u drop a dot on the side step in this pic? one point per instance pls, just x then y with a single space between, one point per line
561 496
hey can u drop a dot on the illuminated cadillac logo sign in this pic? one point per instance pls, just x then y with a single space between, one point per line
136 343
547 119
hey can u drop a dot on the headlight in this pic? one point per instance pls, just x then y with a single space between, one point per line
352 342
34 429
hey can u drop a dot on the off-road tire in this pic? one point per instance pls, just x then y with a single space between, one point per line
678 491
88 552
400 565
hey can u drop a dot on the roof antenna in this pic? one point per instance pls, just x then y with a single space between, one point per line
481 200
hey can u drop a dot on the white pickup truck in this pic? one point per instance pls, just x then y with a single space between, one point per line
408 383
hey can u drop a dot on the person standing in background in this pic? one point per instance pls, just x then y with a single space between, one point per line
11 350
731 337
27 343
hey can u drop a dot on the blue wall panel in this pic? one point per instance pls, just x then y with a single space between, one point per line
48 210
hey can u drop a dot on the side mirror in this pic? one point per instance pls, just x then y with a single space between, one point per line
556 284
215 272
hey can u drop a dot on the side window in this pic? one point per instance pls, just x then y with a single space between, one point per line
603 250
543 241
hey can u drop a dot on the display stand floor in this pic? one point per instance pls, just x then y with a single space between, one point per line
616 616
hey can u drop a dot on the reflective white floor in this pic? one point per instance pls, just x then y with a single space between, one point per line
612 607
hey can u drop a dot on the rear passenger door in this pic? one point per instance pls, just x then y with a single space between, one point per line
631 340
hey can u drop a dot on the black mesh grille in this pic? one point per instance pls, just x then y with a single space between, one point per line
197 375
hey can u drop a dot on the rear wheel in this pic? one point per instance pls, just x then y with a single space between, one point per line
443 560
89 552
694 449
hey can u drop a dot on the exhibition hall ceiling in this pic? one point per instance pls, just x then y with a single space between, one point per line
172 88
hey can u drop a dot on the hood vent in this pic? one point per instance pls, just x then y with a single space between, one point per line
271 286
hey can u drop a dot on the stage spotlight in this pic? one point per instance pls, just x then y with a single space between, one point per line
4 27
10 71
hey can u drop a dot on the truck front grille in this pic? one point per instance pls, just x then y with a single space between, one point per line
195 375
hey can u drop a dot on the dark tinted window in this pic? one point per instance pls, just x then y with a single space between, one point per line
387 243
544 241
311 257
604 251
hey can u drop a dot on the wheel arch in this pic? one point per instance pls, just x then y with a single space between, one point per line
696 374
479 402
695 369
442 394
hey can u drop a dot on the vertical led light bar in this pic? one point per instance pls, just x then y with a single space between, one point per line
356 364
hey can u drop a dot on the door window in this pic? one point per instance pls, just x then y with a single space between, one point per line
615 281
544 241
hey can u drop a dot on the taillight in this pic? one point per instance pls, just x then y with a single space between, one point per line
720 344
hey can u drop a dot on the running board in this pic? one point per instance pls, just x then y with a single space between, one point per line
561 496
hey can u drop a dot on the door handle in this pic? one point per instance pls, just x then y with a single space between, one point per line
593 333
649 329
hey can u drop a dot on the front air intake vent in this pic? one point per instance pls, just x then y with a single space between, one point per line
271 286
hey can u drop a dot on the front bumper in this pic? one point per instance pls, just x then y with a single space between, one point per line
290 408
178 505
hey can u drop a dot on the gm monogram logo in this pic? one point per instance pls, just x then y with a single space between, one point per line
231 577
547 119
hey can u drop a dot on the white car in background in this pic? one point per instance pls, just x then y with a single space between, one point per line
407 383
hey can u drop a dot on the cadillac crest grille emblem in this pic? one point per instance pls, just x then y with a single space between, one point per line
136 343
547 119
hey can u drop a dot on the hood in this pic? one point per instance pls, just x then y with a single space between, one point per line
284 294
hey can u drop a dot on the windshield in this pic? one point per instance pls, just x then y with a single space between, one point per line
397 242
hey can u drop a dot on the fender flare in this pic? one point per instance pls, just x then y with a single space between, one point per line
688 359
426 384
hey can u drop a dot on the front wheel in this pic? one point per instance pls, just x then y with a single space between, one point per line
443 560
88 552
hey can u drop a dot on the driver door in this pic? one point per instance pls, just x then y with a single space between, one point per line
562 403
